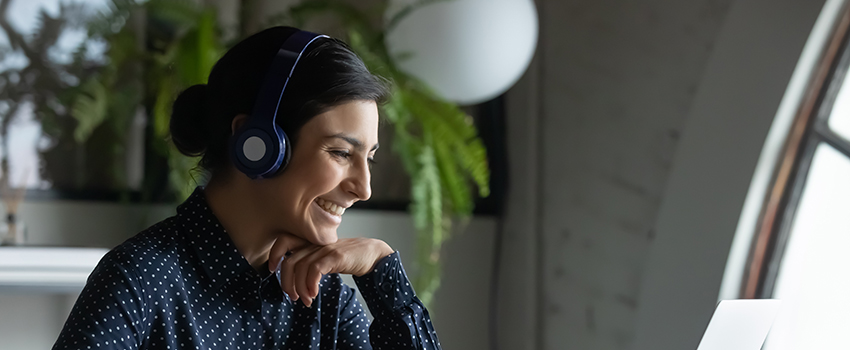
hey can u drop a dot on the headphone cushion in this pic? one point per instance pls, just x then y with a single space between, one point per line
257 152
285 152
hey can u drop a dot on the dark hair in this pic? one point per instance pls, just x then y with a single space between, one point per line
329 74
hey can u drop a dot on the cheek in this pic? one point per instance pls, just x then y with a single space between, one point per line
327 179
304 182
278 197
322 176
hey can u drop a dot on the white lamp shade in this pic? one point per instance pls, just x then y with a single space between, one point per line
469 51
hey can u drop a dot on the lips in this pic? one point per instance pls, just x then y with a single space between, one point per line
330 207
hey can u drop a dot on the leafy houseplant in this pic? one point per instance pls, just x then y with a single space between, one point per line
177 44
161 47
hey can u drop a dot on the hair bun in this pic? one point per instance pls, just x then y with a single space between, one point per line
188 124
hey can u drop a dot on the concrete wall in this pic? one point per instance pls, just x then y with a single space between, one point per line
736 104
634 137
598 119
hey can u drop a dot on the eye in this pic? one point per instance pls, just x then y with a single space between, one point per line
340 154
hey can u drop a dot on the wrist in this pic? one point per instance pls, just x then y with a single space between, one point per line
385 250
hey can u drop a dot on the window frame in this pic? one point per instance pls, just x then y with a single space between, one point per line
809 130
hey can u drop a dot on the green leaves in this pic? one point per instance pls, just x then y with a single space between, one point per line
89 109
157 48
427 211
197 51
448 154
186 59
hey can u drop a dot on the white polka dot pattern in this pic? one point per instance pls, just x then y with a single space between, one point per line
181 284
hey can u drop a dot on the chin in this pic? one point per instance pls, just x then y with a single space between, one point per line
326 238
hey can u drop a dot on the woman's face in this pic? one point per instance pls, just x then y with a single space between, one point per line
328 172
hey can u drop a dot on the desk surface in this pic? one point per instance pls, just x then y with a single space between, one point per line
27 269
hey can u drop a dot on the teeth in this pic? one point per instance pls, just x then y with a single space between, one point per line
330 207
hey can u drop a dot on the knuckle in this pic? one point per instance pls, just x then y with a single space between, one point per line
302 265
335 254
315 270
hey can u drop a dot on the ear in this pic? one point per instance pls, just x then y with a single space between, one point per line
237 123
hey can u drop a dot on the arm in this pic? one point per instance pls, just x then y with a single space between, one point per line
401 321
110 312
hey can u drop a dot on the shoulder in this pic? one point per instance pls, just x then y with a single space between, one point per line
160 243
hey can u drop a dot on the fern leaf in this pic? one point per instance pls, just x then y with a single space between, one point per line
460 201
162 109
89 109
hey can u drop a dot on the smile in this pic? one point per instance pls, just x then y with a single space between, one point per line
330 207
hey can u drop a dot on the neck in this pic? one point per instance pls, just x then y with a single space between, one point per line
241 218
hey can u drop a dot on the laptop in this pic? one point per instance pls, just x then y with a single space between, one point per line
739 324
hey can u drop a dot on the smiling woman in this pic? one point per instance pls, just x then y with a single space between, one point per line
287 127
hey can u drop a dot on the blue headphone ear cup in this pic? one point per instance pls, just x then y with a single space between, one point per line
285 151
250 151
260 152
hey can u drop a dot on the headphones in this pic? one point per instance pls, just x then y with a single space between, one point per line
260 148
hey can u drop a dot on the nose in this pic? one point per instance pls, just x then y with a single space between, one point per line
359 181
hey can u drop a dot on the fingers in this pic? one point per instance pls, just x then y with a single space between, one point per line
293 272
285 243
301 271
320 267
287 272
308 273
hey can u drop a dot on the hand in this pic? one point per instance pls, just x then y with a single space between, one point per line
301 271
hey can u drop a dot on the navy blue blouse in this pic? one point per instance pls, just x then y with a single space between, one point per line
181 284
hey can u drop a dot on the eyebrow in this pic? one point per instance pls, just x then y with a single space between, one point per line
354 142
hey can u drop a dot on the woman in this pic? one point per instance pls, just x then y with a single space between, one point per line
204 279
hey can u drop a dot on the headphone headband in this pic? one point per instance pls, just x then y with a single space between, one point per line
277 78
260 148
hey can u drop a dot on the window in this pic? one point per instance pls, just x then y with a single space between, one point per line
39 40
802 251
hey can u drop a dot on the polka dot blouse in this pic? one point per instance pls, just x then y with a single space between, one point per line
181 284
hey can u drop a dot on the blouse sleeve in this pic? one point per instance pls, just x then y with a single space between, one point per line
353 323
110 311
400 318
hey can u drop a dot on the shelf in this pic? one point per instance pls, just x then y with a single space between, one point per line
46 269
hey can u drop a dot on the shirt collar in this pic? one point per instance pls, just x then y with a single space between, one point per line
216 252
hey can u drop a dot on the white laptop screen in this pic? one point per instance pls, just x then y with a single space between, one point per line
739 324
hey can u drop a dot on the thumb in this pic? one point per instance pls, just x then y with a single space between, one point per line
285 243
